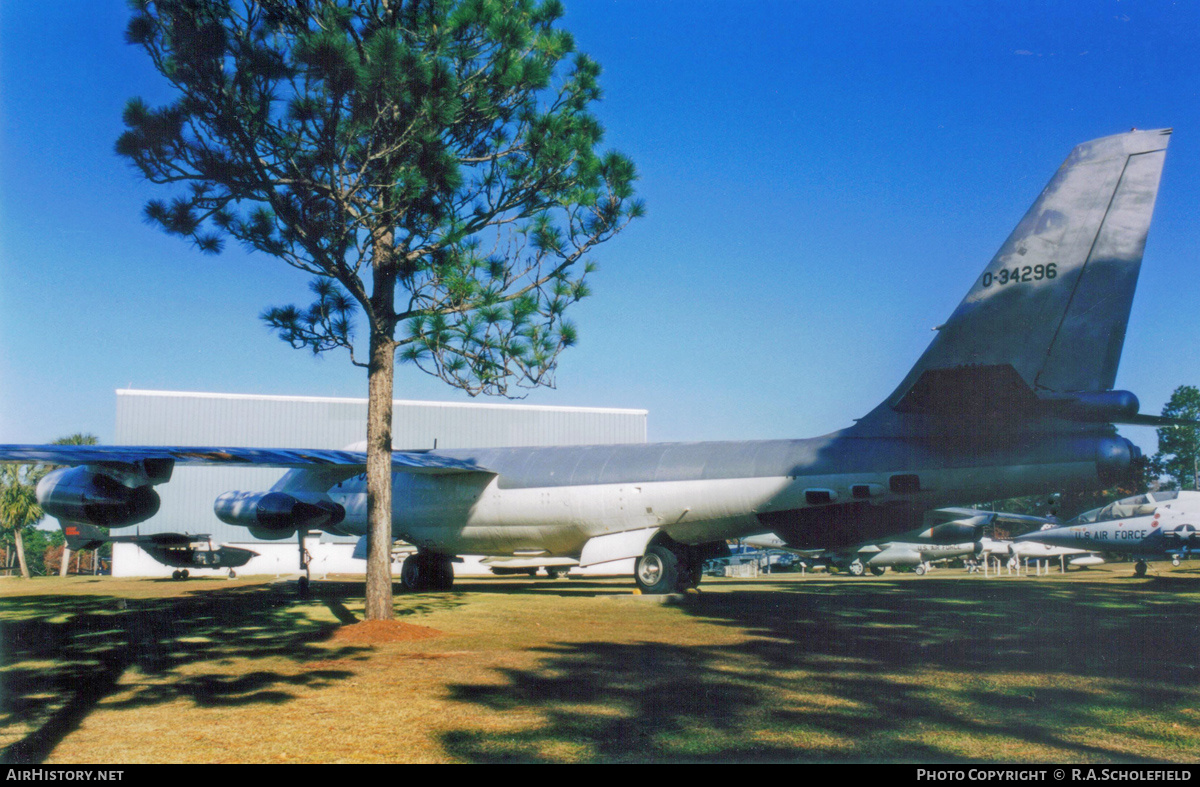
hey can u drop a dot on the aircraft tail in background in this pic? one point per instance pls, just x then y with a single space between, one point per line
80 535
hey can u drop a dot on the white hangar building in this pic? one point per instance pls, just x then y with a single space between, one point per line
252 421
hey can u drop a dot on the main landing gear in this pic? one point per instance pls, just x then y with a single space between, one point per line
670 567
427 571
305 559
1139 568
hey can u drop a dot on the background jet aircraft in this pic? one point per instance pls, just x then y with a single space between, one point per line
1028 549
1148 527
949 533
1012 397
178 550
875 557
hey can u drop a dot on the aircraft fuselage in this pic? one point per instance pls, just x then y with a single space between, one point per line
555 499
1148 536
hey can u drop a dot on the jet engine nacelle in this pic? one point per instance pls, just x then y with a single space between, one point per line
275 515
98 496
1116 460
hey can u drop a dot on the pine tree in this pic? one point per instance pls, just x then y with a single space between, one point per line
432 164
1177 453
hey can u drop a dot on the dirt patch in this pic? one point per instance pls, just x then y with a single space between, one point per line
374 631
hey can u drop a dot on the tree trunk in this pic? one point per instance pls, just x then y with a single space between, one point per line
21 554
379 480
66 562
381 369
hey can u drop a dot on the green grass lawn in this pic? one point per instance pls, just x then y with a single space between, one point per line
1095 666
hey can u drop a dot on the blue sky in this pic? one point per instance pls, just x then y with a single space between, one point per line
823 183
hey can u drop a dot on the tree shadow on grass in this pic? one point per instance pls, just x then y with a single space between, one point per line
870 670
580 587
60 656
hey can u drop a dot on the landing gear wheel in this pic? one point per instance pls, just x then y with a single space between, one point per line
422 572
878 570
443 573
920 569
1175 561
302 585
184 574
1139 568
657 571
856 568
232 574
411 573
176 574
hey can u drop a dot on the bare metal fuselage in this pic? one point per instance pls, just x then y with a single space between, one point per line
553 500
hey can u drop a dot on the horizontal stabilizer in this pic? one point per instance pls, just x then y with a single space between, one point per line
163 539
990 395
1144 419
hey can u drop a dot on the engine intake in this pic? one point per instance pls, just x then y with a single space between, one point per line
85 494
1117 461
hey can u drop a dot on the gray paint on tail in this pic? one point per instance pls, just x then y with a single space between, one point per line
1076 255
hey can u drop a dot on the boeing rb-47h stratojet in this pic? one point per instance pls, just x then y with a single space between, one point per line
1013 397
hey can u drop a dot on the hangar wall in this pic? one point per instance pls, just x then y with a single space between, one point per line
256 421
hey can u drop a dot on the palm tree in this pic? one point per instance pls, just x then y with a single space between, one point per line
79 438
19 508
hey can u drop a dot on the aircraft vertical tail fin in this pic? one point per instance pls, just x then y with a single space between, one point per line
1048 314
